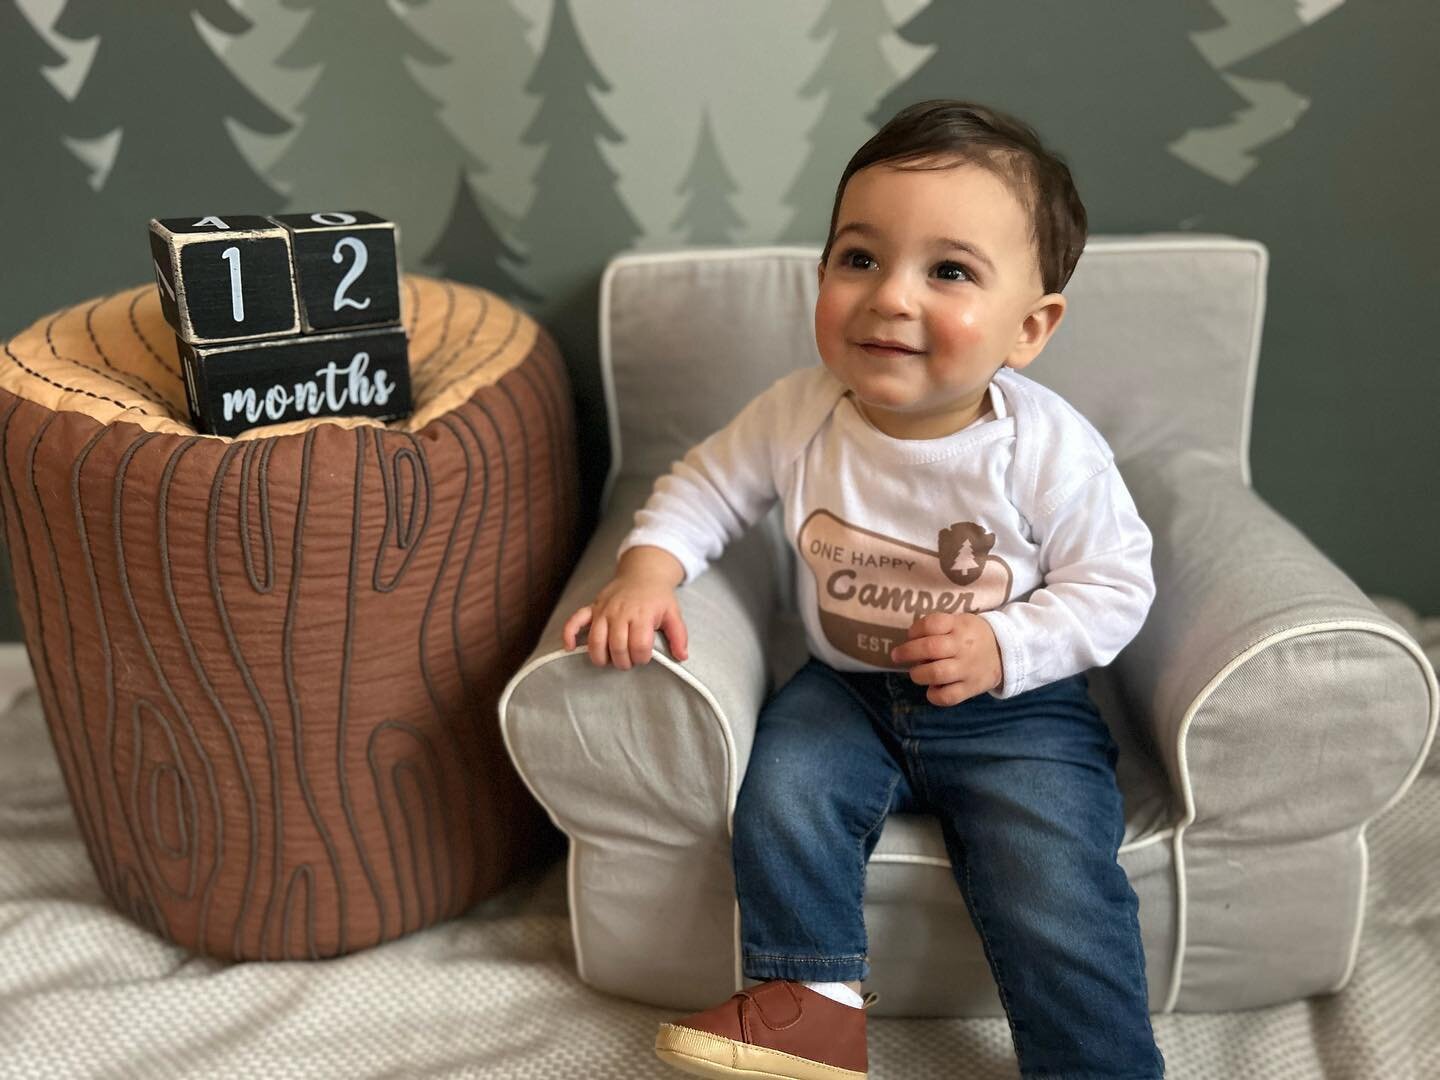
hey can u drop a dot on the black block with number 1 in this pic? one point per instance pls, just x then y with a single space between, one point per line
224 277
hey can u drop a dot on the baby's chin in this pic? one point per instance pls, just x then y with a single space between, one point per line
889 390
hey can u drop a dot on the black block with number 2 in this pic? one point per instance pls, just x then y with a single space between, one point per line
224 277
347 268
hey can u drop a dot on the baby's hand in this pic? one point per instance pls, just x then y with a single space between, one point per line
623 620
958 656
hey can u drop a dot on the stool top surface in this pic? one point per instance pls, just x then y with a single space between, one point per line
115 358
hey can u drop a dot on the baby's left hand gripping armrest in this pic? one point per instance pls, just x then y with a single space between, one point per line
1279 699
640 769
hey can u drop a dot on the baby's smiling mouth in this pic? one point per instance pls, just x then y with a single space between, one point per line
886 347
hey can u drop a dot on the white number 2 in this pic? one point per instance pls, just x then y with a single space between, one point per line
361 258
237 301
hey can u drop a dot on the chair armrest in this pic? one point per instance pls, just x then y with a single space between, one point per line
1282 702
640 769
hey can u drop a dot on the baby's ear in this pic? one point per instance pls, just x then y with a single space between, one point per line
1036 330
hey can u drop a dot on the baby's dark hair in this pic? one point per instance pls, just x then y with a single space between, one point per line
940 134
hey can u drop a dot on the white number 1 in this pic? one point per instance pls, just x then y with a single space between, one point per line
237 302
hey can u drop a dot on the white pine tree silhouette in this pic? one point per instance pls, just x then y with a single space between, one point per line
964 558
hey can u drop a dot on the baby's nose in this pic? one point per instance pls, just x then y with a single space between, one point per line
894 296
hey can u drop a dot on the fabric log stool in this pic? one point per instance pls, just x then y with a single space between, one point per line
270 664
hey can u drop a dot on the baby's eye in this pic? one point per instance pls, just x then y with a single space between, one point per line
849 257
944 268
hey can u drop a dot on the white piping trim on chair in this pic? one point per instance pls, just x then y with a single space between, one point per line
1182 906
1158 837
1181 910
902 858
1360 914
731 785
1247 418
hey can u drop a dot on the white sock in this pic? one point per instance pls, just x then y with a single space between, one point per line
838 991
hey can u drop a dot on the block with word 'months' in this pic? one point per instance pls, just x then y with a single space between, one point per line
357 373
347 268
224 278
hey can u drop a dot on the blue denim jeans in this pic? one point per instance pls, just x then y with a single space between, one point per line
1025 793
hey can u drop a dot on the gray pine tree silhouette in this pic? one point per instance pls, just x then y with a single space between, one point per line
470 249
485 101
1249 26
1345 204
852 75
1364 146
485 107
575 223
371 137
1226 151
1108 89
253 57
50 211
156 77
707 217
576 219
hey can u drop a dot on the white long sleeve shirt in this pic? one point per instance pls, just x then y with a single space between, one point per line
1021 518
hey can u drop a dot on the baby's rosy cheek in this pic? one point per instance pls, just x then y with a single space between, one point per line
829 319
965 330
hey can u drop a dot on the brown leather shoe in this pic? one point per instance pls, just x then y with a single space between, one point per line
777 1029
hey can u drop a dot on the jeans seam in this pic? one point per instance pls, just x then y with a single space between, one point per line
860 896
990 952
919 760
807 959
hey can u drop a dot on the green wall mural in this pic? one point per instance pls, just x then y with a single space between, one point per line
520 144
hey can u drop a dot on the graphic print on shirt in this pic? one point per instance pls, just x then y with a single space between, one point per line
871 588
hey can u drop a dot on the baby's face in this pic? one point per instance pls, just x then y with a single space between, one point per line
894 275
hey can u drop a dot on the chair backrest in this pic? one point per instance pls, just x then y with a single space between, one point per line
1158 347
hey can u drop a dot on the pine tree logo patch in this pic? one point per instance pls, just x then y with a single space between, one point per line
964 547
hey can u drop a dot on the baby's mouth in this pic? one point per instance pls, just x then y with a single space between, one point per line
887 350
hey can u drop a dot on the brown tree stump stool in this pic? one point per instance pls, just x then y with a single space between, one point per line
270 664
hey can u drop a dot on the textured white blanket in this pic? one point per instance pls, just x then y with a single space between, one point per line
86 993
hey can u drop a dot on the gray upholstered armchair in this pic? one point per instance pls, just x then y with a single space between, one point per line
1266 712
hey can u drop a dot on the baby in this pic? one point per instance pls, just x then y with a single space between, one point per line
967 551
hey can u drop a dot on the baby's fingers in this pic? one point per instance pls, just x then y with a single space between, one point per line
599 641
620 643
675 633
931 647
642 641
574 625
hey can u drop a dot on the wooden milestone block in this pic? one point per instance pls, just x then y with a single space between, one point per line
224 278
347 268
240 386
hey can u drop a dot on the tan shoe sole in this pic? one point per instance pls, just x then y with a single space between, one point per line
700 1053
